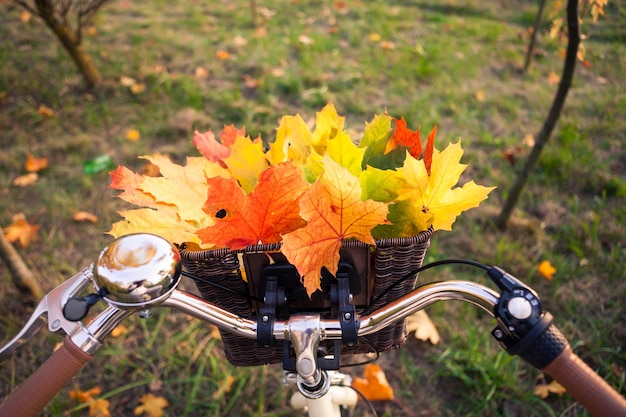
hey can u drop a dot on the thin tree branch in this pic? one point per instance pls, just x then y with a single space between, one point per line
553 116
22 277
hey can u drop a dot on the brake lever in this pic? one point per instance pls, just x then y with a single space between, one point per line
50 311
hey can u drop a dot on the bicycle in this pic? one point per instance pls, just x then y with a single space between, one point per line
136 273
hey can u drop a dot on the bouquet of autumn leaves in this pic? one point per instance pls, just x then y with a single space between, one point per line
308 189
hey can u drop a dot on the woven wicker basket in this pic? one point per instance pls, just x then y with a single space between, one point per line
386 268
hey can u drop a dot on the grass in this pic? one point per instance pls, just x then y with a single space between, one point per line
453 63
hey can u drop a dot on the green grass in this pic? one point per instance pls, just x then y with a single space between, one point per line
296 57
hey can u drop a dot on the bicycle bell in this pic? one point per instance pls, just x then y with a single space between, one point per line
137 270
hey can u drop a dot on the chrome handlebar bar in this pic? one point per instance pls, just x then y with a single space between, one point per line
401 308
140 272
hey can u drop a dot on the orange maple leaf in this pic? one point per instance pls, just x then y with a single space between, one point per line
403 136
270 209
430 148
21 230
124 179
85 396
334 211
373 385
546 270
35 164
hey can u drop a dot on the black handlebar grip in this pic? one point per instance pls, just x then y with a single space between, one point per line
545 347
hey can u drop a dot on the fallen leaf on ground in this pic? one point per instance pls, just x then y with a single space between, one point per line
133 135
151 405
553 78
21 230
374 385
26 179
224 388
83 216
423 327
119 330
546 270
543 390
99 408
34 164
85 396
45 111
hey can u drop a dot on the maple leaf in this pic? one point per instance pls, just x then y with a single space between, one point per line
373 385
85 396
246 161
26 179
124 179
430 148
215 150
164 222
374 141
343 151
270 209
293 141
225 386
209 146
543 390
381 184
431 200
423 327
333 208
182 186
99 408
35 164
84 216
327 125
546 270
405 137
151 405
21 230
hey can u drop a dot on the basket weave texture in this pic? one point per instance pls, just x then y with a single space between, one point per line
392 261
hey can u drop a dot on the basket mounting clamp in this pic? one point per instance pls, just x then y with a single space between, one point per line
342 297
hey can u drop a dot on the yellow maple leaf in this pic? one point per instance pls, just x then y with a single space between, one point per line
334 211
543 390
246 161
423 327
165 223
182 186
99 408
151 405
431 200
346 153
293 141
327 125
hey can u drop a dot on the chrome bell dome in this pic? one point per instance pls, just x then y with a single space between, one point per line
137 270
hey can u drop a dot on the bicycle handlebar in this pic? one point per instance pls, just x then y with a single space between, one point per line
541 345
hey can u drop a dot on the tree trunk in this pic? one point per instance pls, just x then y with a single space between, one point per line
70 42
533 37
553 116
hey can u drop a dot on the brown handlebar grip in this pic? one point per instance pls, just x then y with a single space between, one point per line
582 383
36 392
